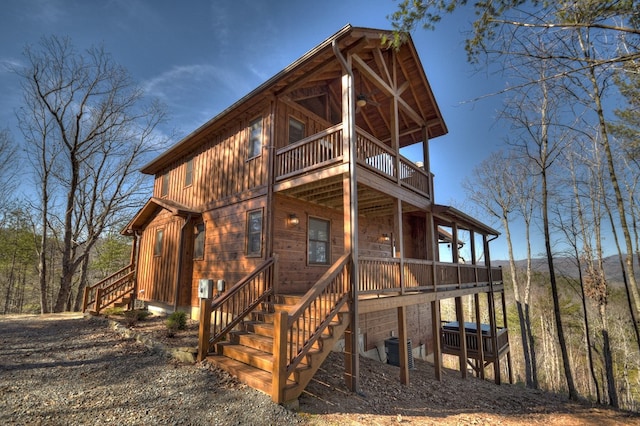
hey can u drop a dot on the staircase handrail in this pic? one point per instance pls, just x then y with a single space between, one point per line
114 291
218 305
90 292
333 287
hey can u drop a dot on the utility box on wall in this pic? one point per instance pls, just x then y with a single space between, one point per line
205 288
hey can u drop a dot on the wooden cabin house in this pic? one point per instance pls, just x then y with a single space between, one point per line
316 233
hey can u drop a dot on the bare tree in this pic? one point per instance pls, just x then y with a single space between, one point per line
498 186
90 128
8 167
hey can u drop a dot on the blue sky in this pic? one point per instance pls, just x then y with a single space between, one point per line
200 56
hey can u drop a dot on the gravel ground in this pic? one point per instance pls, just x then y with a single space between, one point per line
76 371
64 369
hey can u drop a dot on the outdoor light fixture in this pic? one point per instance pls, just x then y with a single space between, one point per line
293 220
385 238
361 101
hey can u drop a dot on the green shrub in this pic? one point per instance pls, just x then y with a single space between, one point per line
176 321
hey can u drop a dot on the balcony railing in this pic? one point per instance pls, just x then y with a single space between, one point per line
383 275
325 149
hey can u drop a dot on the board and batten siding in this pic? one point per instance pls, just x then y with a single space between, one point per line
226 244
156 274
221 167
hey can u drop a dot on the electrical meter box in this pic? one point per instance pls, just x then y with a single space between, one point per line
205 288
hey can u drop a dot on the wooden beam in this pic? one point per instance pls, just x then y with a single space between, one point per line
462 358
480 365
437 348
403 352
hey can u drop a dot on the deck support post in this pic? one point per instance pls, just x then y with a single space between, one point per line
437 348
403 352
350 217
204 329
492 314
504 319
479 339
463 337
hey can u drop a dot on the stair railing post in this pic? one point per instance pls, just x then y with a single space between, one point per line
204 331
279 379
96 306
85 299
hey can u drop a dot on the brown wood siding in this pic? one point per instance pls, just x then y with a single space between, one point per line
225 245
313 123
221 168
415 236
378 326
156 274
290 242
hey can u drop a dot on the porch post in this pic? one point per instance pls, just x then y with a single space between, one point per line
504 323
437 349
350 217
479 337
492 314
399 251
462 332
403 352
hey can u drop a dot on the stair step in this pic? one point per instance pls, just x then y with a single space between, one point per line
251 356
253 340
251 376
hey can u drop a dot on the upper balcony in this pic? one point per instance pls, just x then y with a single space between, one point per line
312 169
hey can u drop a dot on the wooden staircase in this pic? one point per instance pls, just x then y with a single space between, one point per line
271 342
248 354
118 290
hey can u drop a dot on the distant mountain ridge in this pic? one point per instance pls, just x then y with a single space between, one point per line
566 266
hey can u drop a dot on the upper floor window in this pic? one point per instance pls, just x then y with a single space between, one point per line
254 233
319 240
255 138
296 130
188 175
157 245
198 241
164 186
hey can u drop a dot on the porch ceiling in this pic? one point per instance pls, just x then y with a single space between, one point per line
328 193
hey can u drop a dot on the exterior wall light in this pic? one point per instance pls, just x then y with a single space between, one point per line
385 238
293 220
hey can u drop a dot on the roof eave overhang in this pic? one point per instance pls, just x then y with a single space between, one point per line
143 216
453 215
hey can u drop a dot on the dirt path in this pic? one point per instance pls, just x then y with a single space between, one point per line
66 369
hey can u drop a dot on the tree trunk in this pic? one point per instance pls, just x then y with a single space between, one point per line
566 363
608 360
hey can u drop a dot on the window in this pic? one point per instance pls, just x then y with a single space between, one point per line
157 247
319 241
296 130
164 188
255 138
254 233
198 241
188 176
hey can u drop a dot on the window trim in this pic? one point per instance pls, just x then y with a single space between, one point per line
158 242
164 185
258 152
196 241
304 129
188 173
328 241
248 233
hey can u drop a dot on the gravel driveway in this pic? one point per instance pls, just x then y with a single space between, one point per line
66 369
